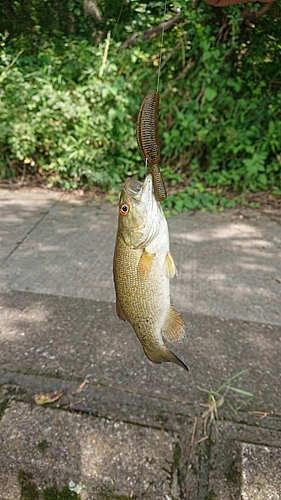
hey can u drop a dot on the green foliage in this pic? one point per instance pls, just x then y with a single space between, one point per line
221 130
32 23
63 117
69 109
195 197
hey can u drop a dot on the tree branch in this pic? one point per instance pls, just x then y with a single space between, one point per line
249 18
152 32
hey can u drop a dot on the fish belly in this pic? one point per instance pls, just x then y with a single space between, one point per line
144 299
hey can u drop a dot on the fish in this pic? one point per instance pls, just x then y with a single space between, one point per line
142 268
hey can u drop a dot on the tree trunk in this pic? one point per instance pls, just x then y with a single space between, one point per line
91 9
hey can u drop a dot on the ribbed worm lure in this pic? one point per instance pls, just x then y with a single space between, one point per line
148 141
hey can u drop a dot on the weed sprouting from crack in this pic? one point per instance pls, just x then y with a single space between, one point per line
217 399
202 425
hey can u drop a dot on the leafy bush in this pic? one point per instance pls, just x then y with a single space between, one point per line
222 128
67 119
69 109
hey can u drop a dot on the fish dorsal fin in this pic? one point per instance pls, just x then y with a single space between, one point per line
174 328
119 311
170 266
145 263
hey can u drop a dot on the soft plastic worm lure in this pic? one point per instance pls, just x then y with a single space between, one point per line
148 142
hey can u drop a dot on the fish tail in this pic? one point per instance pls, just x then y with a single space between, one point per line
177 360
165 355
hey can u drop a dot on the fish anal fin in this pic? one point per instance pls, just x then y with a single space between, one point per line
174 328
170 266
145 263
119 310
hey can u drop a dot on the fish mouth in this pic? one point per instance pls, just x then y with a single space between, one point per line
136 189
133 187
140 227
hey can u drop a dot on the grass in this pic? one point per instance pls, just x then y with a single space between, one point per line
216 399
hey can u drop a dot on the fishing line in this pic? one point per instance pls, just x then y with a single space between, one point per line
104 66
161 47
113 37
118 19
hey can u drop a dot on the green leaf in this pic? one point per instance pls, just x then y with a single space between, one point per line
262 180
240 391
210 94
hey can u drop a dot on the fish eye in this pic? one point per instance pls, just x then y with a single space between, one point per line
124 209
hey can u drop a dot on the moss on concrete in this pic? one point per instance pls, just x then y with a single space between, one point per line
43 445
29 490
3 405
211 495
234 474
53 493
177 456
162 417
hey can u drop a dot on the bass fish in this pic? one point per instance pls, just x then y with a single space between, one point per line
143 266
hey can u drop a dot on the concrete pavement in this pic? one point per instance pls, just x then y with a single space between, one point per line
126 428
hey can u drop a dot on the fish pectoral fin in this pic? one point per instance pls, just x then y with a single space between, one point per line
174 328
170 266
119 310
145 263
